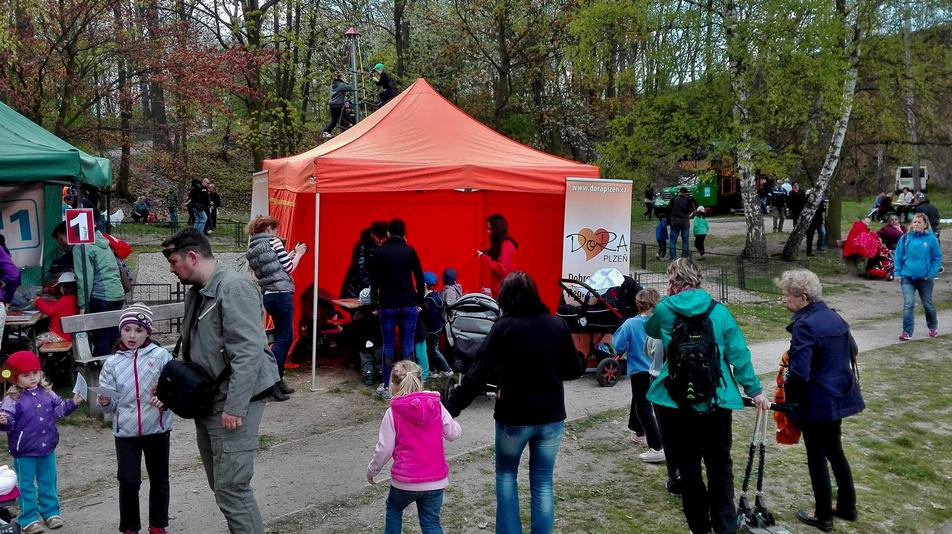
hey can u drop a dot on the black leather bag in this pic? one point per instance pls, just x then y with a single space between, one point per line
187 389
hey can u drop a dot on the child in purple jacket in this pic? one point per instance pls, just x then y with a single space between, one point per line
28 414
412 433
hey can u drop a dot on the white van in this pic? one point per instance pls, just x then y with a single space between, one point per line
904 178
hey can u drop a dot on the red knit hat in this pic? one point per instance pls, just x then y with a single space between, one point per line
20 362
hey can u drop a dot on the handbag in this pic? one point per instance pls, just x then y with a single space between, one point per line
187 389
788 433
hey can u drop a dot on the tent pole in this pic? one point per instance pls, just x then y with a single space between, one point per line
314 334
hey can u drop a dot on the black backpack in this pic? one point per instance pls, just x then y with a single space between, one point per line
694 360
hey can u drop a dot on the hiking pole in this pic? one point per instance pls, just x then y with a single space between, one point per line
744 511
762 516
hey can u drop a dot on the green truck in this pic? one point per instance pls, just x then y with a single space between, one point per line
713 184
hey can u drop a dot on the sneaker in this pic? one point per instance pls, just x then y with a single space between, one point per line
447 374
33 528
638 440
905 336
386 395
55 521
673 486
652 456
933 333
327 135
157 530
380 389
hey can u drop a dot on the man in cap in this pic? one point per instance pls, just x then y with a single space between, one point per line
926 208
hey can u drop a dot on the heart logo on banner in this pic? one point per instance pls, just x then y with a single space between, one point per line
592 242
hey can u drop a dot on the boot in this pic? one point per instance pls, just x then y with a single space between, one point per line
286 389
277 394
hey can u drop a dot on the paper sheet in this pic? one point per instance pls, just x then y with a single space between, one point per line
105 392
81 387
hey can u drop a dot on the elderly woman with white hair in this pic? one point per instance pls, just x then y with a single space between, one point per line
696 414
822 381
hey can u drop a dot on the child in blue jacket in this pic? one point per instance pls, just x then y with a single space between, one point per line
661 235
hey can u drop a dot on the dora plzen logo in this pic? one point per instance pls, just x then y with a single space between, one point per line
592 242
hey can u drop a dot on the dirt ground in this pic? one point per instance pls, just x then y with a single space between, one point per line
342 412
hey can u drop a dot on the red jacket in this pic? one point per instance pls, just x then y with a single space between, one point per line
849 245
498 269
55 309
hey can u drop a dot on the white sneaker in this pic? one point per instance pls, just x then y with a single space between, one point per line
447 374
638 440
380 389
327 135
652 456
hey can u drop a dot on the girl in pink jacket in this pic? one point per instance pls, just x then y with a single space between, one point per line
412 432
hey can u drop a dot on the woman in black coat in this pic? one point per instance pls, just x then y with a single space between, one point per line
822 381
530 405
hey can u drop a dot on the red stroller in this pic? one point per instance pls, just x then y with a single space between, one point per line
881 266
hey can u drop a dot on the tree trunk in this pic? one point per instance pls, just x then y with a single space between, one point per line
159 118
125 104
756 245
504 69
852 46
401 37
834 216
909 94
881 166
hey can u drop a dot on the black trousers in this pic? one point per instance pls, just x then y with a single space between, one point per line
694 438
670 461
822 441
641 419
335 118
648 209
662 247
699 243
129 452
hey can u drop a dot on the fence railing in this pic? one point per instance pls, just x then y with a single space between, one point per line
729 278
226 233
152 294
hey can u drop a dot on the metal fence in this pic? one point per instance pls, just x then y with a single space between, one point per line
729 278
152 294
225 234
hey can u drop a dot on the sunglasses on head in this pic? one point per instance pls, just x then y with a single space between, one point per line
167 252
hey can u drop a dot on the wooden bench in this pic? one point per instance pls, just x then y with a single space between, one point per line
78 325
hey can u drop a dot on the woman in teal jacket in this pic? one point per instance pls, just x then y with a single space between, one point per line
918 258
702 432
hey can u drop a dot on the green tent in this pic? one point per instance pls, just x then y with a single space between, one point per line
29 152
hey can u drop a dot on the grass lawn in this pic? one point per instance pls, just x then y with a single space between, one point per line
899 448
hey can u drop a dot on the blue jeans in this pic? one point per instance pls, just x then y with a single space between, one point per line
280 306
821 238
42 471
428 508
173 216
390 319
200 219
103 340
676 229
909 288
544 441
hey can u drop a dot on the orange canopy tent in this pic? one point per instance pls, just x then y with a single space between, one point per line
422 159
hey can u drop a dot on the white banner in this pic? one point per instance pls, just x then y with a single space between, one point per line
21 222
259 194
597 226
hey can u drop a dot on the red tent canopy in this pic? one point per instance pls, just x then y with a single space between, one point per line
422 159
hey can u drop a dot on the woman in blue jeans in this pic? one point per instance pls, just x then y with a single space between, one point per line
273 265
530 407
918 258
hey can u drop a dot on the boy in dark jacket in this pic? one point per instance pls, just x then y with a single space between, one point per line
366 329
433 321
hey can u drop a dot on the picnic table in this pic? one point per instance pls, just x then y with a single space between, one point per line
23 320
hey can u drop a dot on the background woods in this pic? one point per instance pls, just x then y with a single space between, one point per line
834 93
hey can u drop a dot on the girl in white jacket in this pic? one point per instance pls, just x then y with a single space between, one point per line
141 424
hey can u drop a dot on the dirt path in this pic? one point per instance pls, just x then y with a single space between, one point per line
314 449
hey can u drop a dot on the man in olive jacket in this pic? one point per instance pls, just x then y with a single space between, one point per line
222 332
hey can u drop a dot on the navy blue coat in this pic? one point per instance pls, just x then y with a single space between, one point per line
820 378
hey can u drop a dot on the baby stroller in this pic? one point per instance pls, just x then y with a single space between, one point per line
8 497
880 266
596 308
468 321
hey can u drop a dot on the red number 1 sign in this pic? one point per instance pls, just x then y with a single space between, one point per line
80 229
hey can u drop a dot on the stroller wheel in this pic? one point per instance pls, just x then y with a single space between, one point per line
607 372
451 384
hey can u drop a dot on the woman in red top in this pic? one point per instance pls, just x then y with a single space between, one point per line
63 305
500 257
